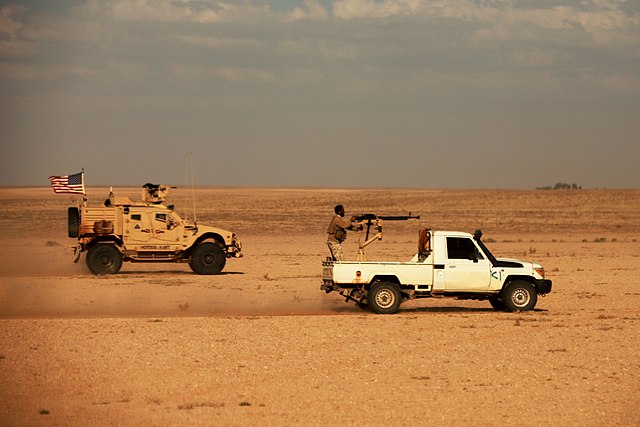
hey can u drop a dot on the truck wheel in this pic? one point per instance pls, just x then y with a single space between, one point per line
519 295
104 259
208 258
496 303
384 298
74 221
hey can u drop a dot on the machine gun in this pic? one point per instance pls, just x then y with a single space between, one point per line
155 193
373 220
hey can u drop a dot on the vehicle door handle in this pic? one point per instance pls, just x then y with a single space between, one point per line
452 266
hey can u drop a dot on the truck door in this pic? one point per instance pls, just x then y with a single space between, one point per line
138 230
168 230
466 269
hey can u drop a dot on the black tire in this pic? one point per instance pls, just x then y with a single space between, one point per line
74 222
496 303
208 258
104 259
519 295
384 298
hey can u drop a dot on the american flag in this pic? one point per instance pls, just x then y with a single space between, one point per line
73 184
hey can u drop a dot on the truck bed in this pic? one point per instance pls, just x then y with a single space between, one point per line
349 273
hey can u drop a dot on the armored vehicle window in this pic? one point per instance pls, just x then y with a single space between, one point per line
462 248
161 217
136 217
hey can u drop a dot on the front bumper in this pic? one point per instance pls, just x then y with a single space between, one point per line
543 286
235 250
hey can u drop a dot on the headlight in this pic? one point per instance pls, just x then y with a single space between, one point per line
540 271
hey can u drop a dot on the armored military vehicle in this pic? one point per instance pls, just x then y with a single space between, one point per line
147 231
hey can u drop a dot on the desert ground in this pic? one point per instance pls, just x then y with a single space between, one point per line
261 344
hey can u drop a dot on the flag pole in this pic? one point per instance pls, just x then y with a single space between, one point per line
84 191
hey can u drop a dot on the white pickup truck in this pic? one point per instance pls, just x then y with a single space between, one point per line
448 264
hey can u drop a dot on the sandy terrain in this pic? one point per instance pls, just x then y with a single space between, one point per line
261 344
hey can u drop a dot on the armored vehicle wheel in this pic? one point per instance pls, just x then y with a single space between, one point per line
74 221
496 303
104 259
384 298
208 258
519 295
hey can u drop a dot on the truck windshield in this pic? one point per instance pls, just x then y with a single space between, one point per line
494 261
487 252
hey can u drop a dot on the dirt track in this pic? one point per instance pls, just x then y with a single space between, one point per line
262 344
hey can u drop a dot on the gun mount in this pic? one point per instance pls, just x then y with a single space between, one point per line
155 193
376 221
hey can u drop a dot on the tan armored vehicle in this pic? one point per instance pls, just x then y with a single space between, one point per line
147 231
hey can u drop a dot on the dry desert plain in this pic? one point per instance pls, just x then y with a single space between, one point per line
260 344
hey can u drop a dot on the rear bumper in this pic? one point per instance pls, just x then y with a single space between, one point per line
543 286
328 286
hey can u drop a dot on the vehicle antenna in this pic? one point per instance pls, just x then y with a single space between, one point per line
193 188
186 181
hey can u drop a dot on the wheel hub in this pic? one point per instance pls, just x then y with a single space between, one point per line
521 297
385 298
105 261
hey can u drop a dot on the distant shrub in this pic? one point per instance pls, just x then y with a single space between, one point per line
600 240
561 186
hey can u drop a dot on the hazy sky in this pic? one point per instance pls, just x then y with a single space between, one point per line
398 93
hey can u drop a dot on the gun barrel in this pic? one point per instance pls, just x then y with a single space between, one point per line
398 217
372 217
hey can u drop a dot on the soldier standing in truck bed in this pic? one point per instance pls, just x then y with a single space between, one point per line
337 232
